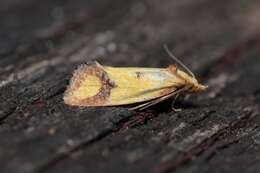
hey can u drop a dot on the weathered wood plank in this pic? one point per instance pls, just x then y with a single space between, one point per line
41 44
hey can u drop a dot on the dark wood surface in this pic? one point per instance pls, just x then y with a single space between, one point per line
42 42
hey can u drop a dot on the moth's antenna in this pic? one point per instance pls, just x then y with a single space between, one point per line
177 60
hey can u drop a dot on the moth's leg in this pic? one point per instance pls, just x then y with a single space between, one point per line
154 102
143 105
139 106
160 99
150 103
173 102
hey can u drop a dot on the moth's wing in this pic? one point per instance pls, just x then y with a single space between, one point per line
135 85
94 85
159 99
85 85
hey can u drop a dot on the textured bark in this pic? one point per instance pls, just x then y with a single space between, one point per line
42 42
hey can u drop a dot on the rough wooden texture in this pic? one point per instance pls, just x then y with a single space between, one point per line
41 42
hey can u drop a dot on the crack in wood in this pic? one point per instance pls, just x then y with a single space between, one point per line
6 115
196 151
64 154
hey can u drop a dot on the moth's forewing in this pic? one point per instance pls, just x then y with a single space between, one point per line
94 85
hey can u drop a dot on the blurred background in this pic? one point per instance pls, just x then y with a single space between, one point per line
66 32
42 42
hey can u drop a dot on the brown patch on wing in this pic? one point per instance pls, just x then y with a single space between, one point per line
173 68
139 74
81 75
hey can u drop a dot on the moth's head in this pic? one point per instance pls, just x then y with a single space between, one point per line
191 82
197 87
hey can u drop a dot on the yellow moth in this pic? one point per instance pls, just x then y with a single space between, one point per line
97 85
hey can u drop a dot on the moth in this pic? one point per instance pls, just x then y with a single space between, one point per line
94 85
